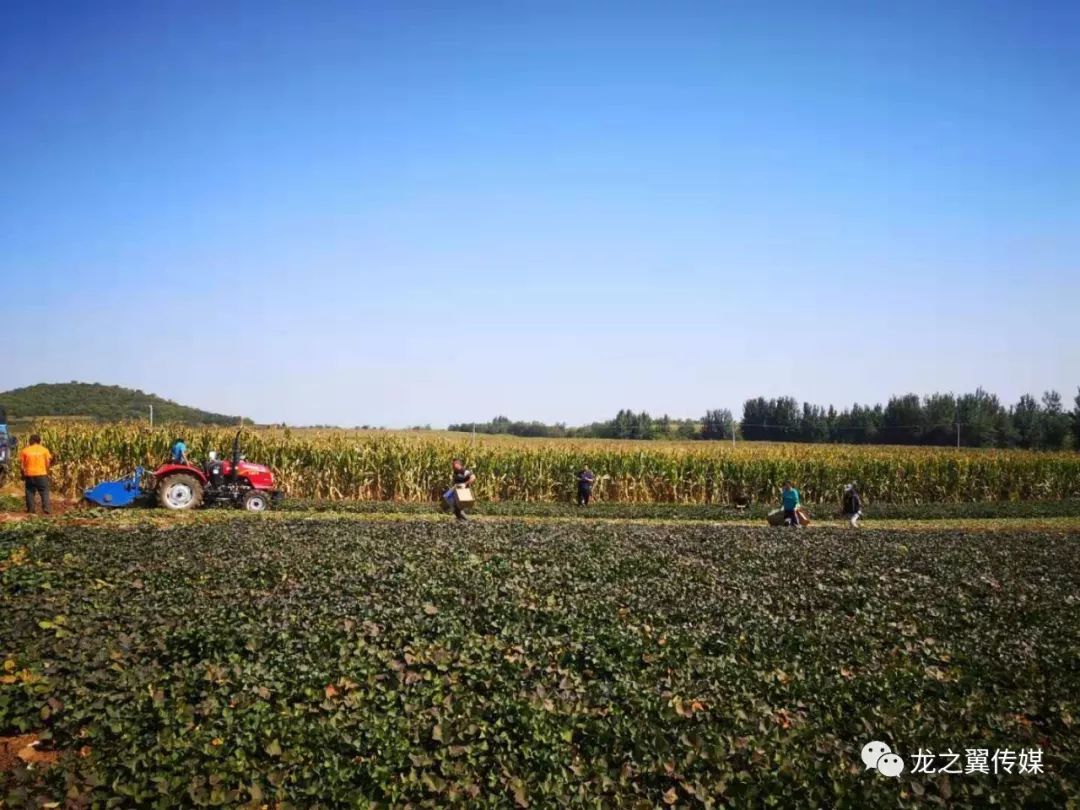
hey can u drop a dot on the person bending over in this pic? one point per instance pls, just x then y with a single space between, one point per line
790 501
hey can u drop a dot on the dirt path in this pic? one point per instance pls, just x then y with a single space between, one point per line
23 749
12 505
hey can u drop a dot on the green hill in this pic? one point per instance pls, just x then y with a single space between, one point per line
109 403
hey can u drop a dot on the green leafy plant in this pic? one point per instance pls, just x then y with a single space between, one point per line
328 663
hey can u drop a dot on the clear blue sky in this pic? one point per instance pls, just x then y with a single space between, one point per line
352 213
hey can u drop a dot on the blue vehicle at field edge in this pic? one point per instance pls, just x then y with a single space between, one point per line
9 447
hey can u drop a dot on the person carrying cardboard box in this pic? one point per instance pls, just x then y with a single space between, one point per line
459 496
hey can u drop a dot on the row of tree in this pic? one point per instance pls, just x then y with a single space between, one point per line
627 424
971 420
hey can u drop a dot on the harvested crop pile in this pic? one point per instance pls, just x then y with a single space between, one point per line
324 663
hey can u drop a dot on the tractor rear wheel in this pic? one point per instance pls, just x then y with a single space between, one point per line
179 492
256 501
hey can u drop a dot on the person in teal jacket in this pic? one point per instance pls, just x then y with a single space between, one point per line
790 502
178 452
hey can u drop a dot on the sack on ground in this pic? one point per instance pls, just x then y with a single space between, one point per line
776 517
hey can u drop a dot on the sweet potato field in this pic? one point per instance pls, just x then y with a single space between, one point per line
301 662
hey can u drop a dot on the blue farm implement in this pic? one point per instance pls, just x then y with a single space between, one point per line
117 493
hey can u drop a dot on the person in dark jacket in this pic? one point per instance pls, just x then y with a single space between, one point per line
462 476
852 505
585 480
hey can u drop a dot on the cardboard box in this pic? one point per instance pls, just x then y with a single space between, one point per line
463 497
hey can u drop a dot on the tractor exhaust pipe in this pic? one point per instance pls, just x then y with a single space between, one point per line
235 457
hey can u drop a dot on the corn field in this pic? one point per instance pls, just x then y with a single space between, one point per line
345 465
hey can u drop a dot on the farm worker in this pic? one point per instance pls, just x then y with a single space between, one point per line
852 505
178 452
214 469
461 476
790 502
36 460
585 480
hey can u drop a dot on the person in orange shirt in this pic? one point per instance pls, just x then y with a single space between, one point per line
35 460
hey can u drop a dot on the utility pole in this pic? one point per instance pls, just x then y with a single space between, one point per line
151 416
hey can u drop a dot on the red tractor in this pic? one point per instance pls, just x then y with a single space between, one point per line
186 486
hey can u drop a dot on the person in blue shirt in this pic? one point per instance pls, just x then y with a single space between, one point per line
178 452
790 502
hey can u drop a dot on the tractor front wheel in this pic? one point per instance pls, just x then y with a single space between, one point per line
256 501
179 492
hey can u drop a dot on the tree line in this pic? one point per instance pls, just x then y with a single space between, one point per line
978 419
972 420
627 424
